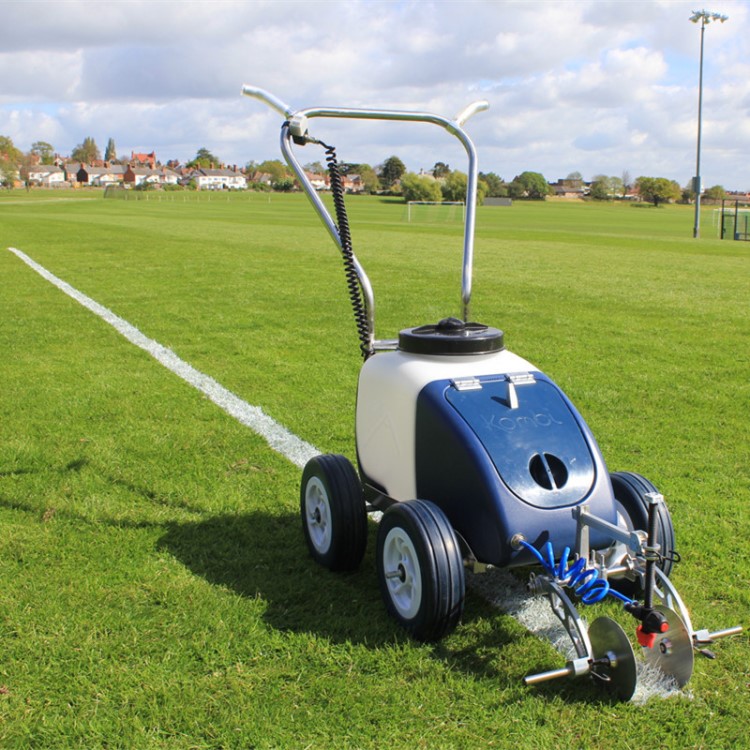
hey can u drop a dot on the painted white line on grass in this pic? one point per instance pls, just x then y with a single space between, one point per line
498 587
277 436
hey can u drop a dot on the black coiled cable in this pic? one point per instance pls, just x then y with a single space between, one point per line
352 279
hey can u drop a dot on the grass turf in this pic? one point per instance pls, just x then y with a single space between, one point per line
156 591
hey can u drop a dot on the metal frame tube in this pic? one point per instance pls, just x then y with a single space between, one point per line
296 128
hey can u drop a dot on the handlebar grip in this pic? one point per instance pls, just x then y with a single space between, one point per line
268 98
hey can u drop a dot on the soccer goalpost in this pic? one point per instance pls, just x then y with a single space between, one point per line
435 210
732 222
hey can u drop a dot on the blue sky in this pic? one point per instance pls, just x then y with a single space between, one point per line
595 86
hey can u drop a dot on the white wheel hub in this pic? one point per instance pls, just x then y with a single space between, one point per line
318 515
402 573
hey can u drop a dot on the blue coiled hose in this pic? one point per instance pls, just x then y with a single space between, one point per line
584 582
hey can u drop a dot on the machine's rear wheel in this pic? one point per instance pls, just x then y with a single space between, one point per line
630 493
420 569
333 512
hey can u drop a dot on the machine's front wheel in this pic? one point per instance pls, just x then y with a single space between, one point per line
630 493
420 569
334 518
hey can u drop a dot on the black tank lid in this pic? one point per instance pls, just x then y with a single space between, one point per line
451 336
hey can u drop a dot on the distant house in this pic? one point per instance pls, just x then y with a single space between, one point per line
107 175
569 188
168 176
86 174
143 160
70 169
262 178
318 181
76 172
135 176
46 175
219 179
353 183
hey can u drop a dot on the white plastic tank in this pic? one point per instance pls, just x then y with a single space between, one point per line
390 382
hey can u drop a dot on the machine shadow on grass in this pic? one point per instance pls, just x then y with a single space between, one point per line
263 555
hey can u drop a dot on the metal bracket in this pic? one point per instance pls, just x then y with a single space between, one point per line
467 384
633 540
298 126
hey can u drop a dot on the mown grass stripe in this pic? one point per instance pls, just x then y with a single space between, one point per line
277 436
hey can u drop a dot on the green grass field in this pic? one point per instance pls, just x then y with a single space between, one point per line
156 591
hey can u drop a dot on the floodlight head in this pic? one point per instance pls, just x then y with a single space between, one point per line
705 17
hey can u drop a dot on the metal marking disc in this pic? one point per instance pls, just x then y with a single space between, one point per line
672 652
609 641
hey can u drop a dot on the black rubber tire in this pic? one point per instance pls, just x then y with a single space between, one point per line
332 508
426 598
630 492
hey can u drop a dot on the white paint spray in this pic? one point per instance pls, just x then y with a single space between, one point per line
498 587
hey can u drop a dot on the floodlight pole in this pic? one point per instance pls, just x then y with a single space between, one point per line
705 17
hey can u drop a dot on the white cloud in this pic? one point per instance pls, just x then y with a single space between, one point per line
593 86
36 75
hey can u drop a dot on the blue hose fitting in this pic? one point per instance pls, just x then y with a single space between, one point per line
585 582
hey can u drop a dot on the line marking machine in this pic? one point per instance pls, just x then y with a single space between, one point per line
477 459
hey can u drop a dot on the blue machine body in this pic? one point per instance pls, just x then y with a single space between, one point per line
499 468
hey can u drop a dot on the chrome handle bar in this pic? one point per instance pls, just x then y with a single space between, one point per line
296 127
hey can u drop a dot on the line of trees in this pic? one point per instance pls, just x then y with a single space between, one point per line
441 184
9 157
382 178
444 184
